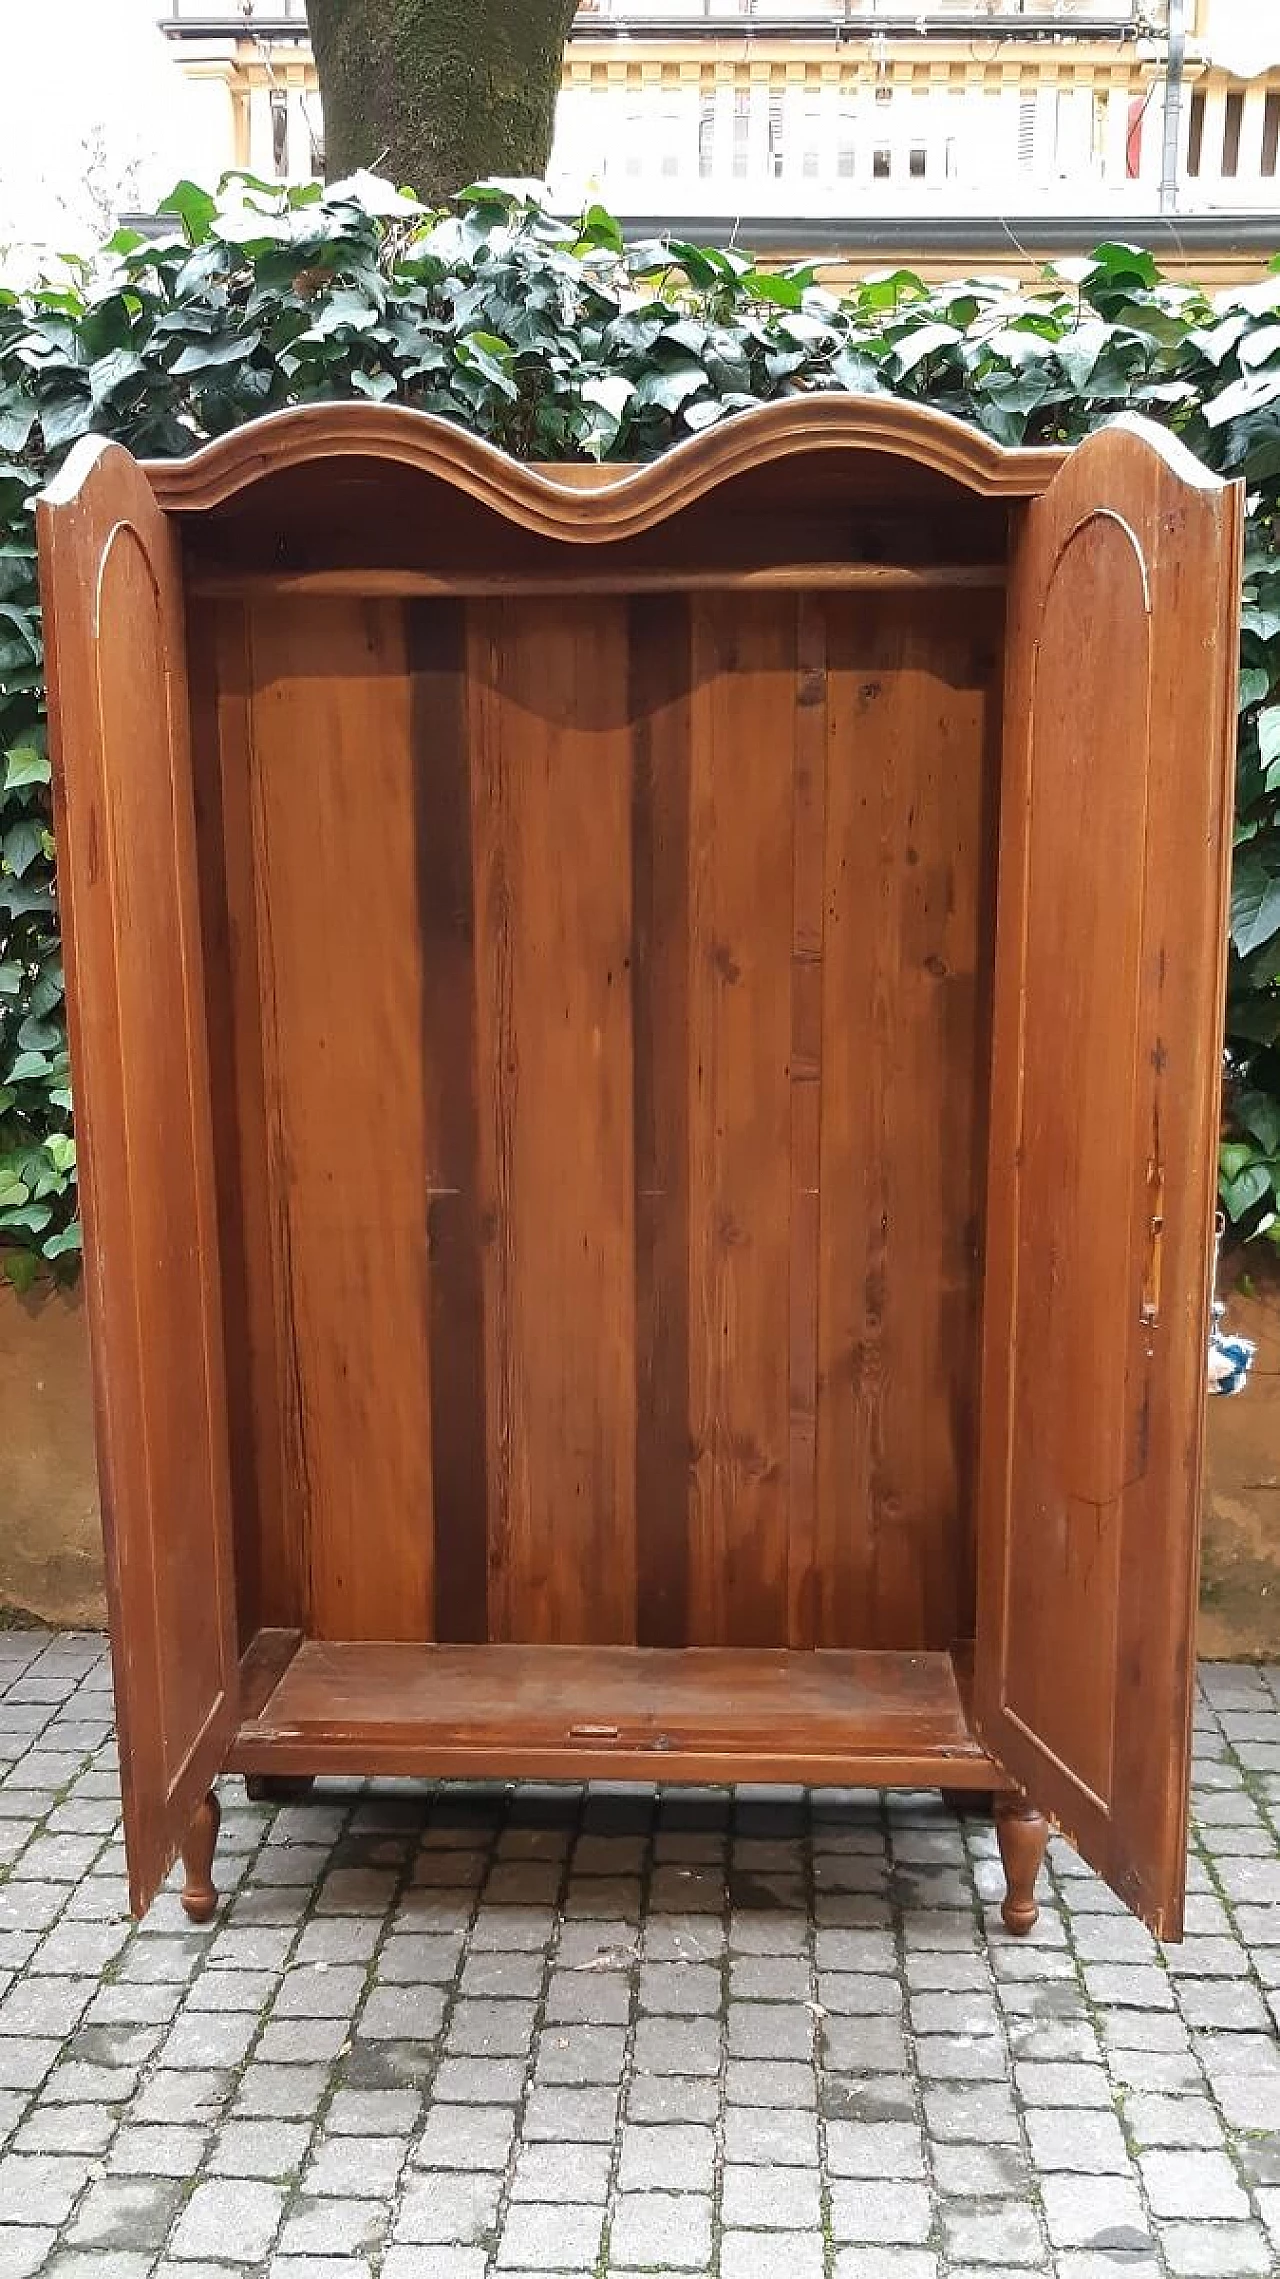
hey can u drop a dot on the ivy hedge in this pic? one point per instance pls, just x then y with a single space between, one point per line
558 341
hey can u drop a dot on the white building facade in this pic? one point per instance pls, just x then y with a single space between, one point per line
809 107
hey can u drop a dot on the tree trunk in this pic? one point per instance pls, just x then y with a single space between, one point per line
438 93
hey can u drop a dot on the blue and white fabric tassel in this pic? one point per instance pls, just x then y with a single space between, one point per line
1230 1358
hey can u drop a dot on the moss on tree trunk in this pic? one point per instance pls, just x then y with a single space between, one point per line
438 93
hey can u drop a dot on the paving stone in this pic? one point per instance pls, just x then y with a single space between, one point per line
881 2212
1102 2212
751 2081
776 2137
1203 2251
126 2212
670 2097
771 2198
874 2149
98 2263
671 2229
580 2053
1008 2235
316 2228
24 2249
1154 2119
888 2263
674 2158
260 2148
1084 2140
465 2136
67 2128
42 2187
234 2221
770 2030
770 2255
678 2045
281 2092
449 2207
1193 2184
559 2115
562 2173
435 2263
980 2115
359 2168
157 2151
981 2171
538 2238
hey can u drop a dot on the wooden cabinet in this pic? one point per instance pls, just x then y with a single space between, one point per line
647 1048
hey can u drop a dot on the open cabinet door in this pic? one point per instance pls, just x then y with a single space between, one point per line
113 613
1111 942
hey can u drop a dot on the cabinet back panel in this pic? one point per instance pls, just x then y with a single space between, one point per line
601 997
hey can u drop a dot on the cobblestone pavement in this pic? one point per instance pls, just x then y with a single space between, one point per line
539 2030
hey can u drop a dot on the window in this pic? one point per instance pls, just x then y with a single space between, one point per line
706 134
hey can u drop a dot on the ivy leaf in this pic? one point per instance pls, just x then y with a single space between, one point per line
22 766
194 207
27 1065
214 354
1255 906
112 373
22 842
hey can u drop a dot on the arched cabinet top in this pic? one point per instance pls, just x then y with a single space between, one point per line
582 503
320 477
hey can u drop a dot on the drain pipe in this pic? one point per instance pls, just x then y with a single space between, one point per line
1174 61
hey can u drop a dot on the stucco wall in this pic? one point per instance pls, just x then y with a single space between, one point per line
50 1549
51 1561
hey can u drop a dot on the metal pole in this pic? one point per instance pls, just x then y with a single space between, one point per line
1174 60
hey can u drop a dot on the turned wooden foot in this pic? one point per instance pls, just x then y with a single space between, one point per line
278 1788
199 1895
1022 1834
968 1803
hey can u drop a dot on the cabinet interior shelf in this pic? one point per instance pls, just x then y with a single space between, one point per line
624 1712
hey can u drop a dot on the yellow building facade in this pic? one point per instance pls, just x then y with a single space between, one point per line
815 123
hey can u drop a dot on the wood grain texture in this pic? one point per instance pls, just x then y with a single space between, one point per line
339 977
905 1038
573 1712
551 830
1110 949
112 587
739 1108
628 499
269 1552
659 707
443 921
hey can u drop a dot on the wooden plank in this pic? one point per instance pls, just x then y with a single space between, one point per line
741 766
910 806
111 574
809 791
1119 769
596 578
262 1665
551 825
437 662
269 1553
341 993
569 1711
659 706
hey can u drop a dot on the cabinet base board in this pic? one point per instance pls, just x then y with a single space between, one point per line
665 1714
